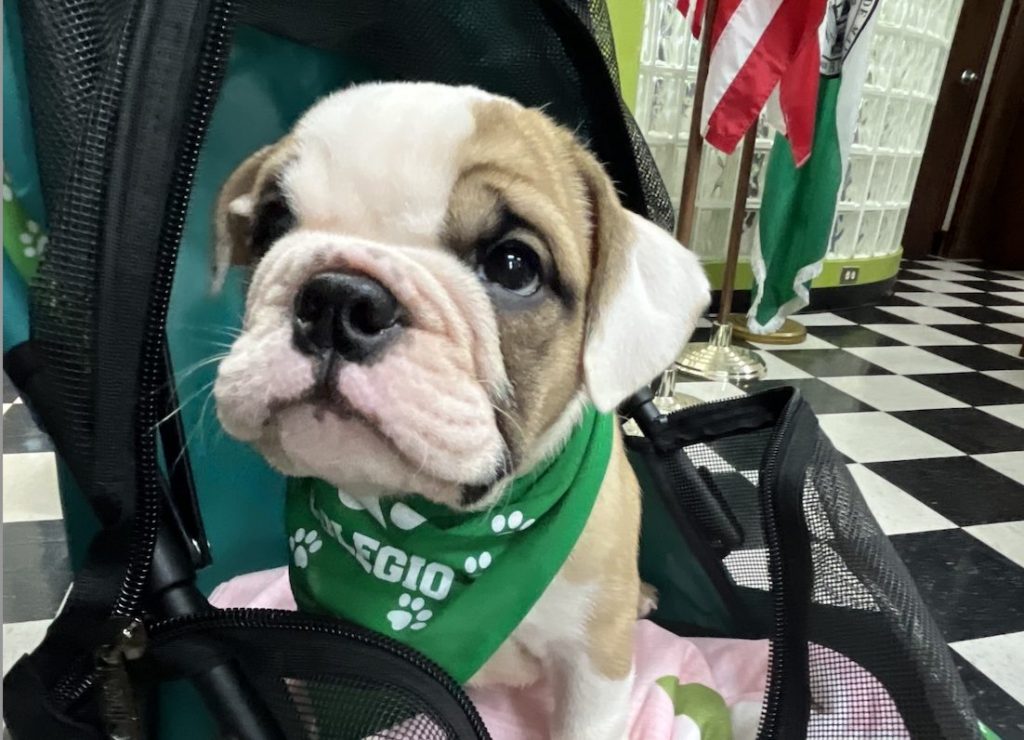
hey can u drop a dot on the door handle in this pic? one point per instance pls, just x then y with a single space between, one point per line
968 77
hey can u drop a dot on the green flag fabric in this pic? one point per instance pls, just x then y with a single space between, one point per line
798 205
453 585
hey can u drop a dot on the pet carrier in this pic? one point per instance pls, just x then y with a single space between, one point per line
139 110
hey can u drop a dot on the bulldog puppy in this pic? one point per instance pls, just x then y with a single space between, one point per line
442 278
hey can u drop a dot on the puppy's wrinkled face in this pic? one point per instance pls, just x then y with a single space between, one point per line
441 278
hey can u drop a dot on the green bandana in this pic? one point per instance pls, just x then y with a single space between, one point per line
452 585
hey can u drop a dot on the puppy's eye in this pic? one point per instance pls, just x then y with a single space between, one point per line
274 219
513 265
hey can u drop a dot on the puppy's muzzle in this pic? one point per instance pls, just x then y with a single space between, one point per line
346 315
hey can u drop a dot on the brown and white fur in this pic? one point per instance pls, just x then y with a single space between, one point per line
411 185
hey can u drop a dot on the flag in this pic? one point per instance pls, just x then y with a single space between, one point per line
757 47
798 205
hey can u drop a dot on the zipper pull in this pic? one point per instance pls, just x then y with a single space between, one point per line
120 705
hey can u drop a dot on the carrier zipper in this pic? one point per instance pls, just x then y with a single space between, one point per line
120 707
209 72
771 716
213 55
168 629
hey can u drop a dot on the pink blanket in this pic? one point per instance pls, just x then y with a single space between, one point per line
685 688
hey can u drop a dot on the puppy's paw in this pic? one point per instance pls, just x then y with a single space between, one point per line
648 600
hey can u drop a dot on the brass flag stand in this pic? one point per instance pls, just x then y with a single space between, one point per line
716 359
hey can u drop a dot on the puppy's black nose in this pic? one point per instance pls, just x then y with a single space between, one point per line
352 315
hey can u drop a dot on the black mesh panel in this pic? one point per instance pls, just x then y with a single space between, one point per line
74 57
754 479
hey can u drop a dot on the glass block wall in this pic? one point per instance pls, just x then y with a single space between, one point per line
908 58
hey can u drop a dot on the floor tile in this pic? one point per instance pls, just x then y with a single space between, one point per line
992 275
811 341
926 263
21 638
926 315
974 389
1013 377
30 487
999 657
897 511
21 433
872 315
1013 350
918 335
1013 284
906 360
1006 538
10 391
976 315
1012 413
1017 296
893 393
936 300
1017 311
856 336
978 358
971 590
700 334
962 489
1017 329
36 569
988 299
979 333
781 369
944 274
969 430
991 286
822 363
709 390
895 300
1010 464
823 398
1000 712
942 286
877 436
904 285
822 319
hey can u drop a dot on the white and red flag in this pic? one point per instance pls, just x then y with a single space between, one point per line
757 47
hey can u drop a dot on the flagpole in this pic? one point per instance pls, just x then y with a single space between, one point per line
739 212
666 398
695 142
717 359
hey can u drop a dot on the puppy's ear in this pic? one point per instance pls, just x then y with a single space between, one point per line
235 211
646 294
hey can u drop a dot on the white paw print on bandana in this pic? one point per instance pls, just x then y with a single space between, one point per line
514 522
303 544
33 241
475 564
411 614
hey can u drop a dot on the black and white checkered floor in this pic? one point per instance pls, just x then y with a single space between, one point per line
924 395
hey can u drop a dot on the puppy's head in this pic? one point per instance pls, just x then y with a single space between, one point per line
441 279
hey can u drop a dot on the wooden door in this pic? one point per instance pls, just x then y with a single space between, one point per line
988 222
947 138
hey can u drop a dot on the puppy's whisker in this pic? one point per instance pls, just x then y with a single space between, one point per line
232 332
181 406
200 421
182 375
518 427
